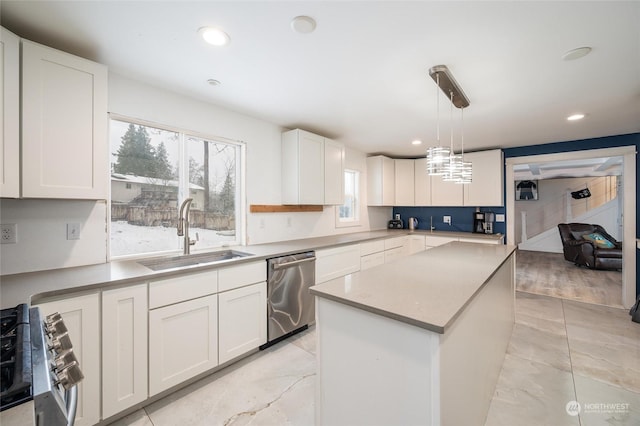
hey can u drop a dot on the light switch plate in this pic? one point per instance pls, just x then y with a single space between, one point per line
499 218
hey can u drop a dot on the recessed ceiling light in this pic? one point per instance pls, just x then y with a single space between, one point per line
214 82
575 117
416 142
303 24
578 53
214 36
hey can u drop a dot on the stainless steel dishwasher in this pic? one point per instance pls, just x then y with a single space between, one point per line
290 306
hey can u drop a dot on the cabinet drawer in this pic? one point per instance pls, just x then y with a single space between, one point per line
242 275
181 288
371 247
371 260
394 242
393 254
337 262
435 241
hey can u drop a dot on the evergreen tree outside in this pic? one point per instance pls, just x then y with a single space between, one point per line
137 156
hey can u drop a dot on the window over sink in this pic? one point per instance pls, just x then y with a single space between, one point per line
154 169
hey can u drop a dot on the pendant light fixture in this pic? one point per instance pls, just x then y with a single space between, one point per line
437 156
451 167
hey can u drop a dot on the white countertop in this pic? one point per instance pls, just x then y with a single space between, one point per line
428 289
33 286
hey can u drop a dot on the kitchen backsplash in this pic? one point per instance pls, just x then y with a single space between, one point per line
461 217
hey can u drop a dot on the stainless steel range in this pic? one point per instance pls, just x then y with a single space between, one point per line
39 371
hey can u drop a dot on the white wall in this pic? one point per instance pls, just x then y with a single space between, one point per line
42 234
42 244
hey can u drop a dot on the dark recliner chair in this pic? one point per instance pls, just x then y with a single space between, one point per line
583 252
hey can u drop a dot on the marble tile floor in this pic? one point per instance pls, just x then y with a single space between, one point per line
560 351
551 275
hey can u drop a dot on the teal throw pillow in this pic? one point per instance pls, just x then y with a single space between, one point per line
598 240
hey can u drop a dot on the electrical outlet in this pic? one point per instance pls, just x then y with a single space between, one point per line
447 219
499 217
9 233
73 231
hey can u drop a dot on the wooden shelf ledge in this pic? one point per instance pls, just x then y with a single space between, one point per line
265 208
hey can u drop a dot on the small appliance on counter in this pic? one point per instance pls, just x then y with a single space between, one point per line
483 222
396 223
413 223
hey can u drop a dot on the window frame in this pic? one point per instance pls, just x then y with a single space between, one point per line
183 188
339 222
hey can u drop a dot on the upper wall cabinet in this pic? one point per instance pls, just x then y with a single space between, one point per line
64 125
9 114
422 183
404 182
380 181
312 169
487 186
445 194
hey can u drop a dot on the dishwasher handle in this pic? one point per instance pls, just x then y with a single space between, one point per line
293 263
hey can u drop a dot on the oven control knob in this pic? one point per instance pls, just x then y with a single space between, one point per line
61 342
70 375
55 327
63 359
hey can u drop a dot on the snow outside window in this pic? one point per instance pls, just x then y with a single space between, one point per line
152 171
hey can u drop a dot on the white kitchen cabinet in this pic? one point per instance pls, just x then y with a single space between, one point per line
446 194
183 342
124 348
487 185
337 262
181 288
64 125
422 183
241 275
334 153
432 241
242 320
9 115
302 168
404 182
371 260
396 248
81 315
416 243
381 189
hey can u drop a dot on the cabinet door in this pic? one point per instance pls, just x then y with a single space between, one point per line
9 115
416 243
371 260
487 185
447 194
302 168
404 182
242 320
64 125
333 172
81 315
422 182
380 181
183 342
394 254
124 348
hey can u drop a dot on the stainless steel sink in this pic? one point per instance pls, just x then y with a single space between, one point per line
162 263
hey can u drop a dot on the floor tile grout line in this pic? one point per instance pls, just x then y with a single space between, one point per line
573 377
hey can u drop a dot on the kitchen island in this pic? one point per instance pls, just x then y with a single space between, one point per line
419 341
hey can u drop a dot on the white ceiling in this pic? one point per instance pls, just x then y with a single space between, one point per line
362 76
604 166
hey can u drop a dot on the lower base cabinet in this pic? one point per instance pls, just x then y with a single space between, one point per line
81 315
124 348
183 342
242 315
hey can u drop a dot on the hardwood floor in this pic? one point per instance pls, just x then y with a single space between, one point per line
550 275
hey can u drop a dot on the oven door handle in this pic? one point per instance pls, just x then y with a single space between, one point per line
293 263
72 404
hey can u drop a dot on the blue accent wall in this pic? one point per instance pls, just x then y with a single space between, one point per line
461 217
632 139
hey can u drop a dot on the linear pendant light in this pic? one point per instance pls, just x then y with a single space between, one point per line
442 161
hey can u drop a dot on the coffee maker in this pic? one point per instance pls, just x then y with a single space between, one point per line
483 222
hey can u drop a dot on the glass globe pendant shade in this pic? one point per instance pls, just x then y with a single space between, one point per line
454 169
437 160
465 173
